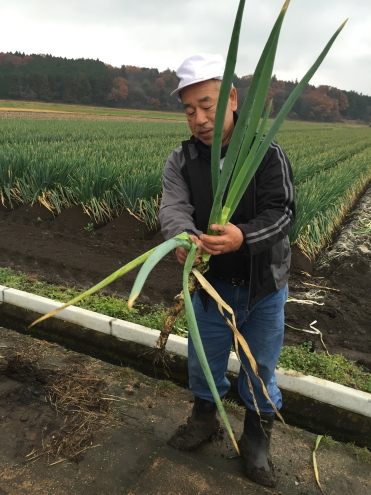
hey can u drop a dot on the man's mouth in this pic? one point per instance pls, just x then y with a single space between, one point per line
206 132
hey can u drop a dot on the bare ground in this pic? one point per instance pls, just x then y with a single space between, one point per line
71 424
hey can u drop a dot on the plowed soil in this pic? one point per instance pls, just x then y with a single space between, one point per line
66 250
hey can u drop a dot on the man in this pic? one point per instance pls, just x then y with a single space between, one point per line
249 267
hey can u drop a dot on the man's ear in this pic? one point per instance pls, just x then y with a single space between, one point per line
233 99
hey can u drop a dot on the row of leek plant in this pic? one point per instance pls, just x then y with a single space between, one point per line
103 190
113 167
308 158
108 134
323 209
61 173
242 159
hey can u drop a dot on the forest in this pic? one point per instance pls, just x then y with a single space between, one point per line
38 77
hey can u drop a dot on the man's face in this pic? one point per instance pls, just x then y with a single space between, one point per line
199 103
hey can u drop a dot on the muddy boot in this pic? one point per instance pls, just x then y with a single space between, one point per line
200 426
254 448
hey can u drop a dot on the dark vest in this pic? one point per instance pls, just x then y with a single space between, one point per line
197 174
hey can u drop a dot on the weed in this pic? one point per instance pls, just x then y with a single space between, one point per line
89 227
329 442
361 453
166 387
334 368
127 373
232 407
364 226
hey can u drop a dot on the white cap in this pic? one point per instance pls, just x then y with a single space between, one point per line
197 68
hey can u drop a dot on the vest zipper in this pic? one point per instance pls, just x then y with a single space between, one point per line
251 264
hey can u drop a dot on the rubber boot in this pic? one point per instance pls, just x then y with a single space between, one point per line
254 447
200 426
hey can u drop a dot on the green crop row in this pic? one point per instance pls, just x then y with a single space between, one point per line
325 199
108 166
103 166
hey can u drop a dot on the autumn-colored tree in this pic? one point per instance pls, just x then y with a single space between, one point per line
246 80
171 81
132 73
131 69
160 81
7 59
155 103
317 105
340 97
119 91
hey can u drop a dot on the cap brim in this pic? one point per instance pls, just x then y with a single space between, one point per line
177 91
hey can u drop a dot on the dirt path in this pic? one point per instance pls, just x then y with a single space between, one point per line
344 315
24 113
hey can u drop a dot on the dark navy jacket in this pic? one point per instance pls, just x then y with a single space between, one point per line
265 215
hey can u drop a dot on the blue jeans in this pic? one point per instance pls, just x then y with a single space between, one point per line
263 330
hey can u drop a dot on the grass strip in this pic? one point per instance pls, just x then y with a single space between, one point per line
335 368
149 316
361 453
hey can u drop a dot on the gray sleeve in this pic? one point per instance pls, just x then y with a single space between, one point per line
175 215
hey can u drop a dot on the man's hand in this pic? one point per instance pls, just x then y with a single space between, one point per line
182 253
230 238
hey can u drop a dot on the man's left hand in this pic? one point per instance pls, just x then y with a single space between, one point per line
230 238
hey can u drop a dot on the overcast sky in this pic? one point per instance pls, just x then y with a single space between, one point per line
161 33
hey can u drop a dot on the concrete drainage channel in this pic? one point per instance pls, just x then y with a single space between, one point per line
317 405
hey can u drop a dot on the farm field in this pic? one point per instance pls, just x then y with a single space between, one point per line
39 109
81 176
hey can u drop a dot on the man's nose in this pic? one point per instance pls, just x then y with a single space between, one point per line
201 117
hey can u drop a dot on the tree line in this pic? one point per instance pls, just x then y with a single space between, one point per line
47 78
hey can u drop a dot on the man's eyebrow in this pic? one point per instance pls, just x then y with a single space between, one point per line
201 100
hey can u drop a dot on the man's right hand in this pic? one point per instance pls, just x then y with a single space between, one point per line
182 253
